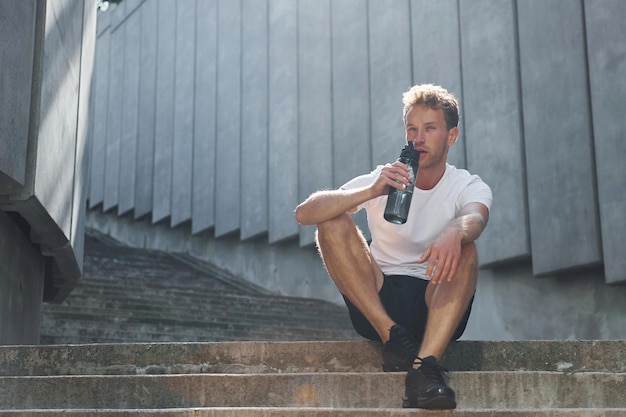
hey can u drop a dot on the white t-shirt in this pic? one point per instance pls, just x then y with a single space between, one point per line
396 248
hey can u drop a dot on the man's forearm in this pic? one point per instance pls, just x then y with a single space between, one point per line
470 226
471 222
325 205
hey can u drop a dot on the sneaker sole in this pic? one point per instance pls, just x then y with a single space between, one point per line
440 402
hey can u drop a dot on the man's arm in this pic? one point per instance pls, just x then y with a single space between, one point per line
325 205
444 253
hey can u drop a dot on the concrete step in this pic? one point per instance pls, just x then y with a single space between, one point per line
292 357
475 390
158 305
130 294
316 412
167 315
77 327
541 378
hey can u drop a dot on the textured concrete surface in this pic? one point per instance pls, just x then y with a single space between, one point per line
316 412
509 376
129 125
260 357
21 285
502 390
138 295
56 41
491 99
184 94
283 120
16 54
205 113
254 114
99 108
229 140
558 136
608 95
164 116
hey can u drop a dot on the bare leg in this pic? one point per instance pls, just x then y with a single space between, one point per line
353 270
447 303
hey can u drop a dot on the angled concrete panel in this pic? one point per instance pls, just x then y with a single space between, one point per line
100 111
390 75
254 114
183 116
81 169
350 90
17 31
436 52
228 140
164 125
283 119
493 131
350 94
146 111
52 197
114 120
557 125
203 203
315 126
53 182
130 105
607 69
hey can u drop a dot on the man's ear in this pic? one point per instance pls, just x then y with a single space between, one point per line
453 135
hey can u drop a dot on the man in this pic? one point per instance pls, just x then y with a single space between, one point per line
413 287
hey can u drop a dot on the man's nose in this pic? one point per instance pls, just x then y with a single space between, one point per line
419 136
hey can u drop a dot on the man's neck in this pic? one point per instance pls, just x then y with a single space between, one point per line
428 178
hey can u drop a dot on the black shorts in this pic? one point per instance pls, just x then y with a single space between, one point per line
404 300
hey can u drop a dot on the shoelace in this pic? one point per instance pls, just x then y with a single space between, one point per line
433 370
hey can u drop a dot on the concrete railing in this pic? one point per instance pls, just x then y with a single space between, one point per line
46 55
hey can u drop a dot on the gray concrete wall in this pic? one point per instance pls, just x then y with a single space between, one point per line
492 116
21 285
17 31
510 303
293 96
47 57
608 91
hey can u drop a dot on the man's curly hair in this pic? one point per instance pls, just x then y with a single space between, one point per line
434 97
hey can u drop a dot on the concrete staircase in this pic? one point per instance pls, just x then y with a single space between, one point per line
197 355
342 378
138 295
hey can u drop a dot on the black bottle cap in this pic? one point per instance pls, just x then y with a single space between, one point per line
409 152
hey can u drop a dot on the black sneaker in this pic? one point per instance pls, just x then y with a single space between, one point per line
426 387
400 351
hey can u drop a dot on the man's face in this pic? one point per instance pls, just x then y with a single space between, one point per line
426 128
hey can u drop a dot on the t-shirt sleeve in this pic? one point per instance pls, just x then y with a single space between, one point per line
362 181
476 191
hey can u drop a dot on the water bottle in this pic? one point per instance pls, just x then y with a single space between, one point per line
399 201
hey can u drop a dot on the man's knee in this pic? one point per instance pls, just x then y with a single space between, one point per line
334 230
